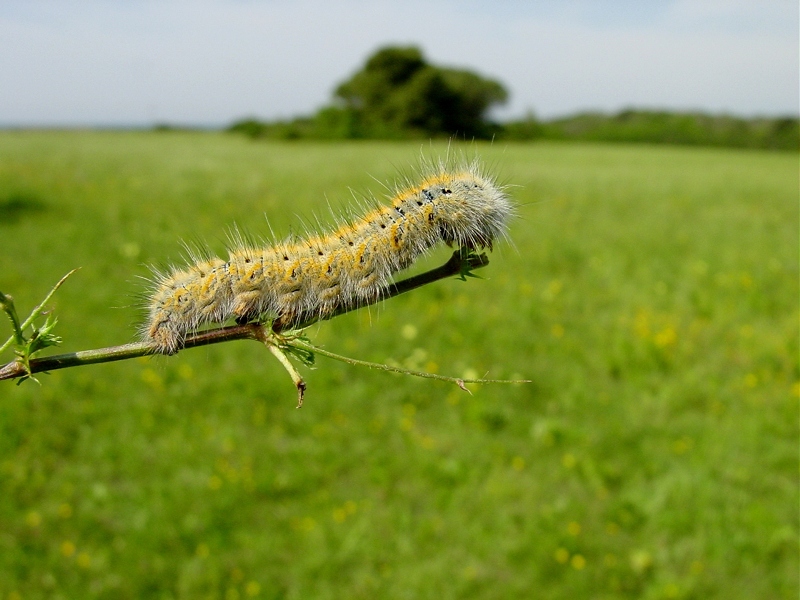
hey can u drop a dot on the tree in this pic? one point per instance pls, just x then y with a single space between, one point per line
399 93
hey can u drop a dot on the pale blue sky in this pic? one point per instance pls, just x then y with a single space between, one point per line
209 62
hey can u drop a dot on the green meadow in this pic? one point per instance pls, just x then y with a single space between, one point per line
650 294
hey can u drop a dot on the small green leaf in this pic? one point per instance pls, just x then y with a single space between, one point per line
470 260
304 356
43 338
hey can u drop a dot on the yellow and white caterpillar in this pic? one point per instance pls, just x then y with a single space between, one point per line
299 280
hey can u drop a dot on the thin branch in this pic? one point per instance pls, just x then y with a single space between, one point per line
297 379
363 363
135 350
461 263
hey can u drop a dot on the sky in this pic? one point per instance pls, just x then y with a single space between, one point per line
211 62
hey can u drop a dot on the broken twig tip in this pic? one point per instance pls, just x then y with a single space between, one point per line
460 383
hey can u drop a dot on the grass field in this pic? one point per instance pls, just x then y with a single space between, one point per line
651 294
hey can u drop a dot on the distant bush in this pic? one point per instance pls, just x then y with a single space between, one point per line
691 129
661 127
249 127
399 95
526 130
396 95
398 92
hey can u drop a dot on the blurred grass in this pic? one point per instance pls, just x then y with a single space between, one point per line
651 294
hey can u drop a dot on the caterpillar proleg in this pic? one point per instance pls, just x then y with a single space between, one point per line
310 278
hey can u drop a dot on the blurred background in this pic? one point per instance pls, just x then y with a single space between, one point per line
650 292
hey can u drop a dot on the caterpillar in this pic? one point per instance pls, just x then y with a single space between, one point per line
307 278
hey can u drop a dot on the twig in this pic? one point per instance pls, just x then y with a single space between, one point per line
461 263
296 378
363 363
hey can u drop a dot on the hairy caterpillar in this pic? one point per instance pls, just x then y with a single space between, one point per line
299 280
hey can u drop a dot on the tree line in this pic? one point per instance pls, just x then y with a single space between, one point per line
399 95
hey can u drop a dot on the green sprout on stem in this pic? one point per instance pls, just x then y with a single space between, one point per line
25 348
